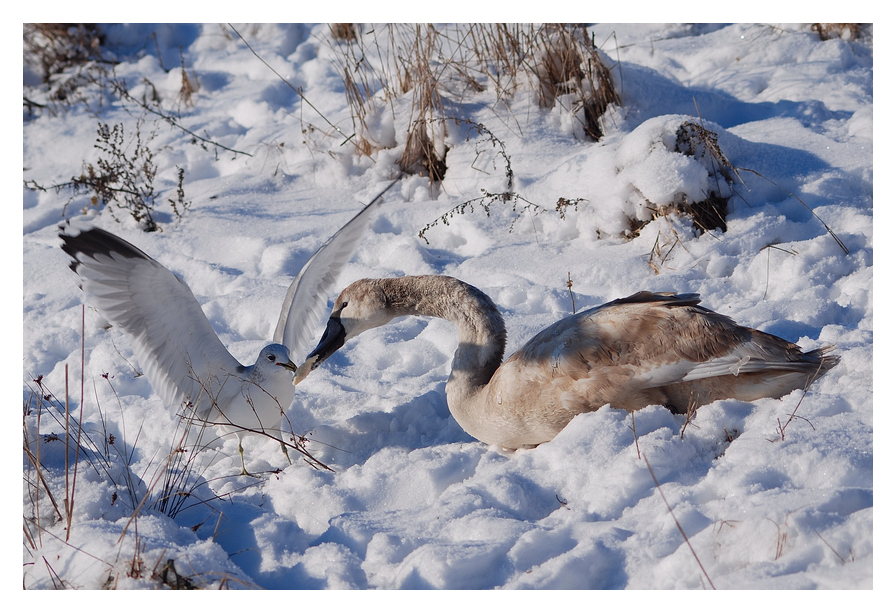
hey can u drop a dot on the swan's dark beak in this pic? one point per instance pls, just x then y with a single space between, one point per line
332 339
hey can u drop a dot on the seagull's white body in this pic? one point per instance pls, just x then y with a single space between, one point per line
630 353
184 360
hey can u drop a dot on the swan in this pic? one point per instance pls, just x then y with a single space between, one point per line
185 361
646 349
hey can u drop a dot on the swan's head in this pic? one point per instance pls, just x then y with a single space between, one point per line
361 306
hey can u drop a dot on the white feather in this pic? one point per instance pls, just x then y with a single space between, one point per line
185 361
305 305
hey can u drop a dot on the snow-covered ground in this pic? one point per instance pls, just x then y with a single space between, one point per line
412 500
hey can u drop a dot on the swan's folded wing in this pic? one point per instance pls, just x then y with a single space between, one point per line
170 335
304 308
763 353
645 340
666 339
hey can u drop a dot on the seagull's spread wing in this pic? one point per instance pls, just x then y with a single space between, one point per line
171 336
305 304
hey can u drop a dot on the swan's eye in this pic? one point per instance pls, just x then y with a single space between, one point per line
344 304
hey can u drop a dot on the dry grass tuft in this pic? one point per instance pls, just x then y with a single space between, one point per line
189 85
343 31
57 446
710 213
827 31
68 59
423 74
123 176
425 150
696 141
55 47
568 65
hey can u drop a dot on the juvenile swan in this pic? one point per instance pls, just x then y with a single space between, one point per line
645 349
185 361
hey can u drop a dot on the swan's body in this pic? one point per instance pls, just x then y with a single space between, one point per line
185 361
630 353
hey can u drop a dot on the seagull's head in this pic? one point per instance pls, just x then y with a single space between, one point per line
274 359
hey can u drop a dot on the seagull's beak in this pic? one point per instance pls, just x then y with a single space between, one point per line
288 366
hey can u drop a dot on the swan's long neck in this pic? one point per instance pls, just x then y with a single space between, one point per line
480 327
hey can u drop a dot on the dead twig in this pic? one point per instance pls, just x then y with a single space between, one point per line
797 198
569 287
678 525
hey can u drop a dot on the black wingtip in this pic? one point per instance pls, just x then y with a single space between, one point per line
97 241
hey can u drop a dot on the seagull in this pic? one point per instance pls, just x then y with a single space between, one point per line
187 364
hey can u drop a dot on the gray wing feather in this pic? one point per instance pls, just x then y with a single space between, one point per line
304 307
170 334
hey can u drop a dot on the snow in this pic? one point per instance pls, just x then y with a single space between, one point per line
413 501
